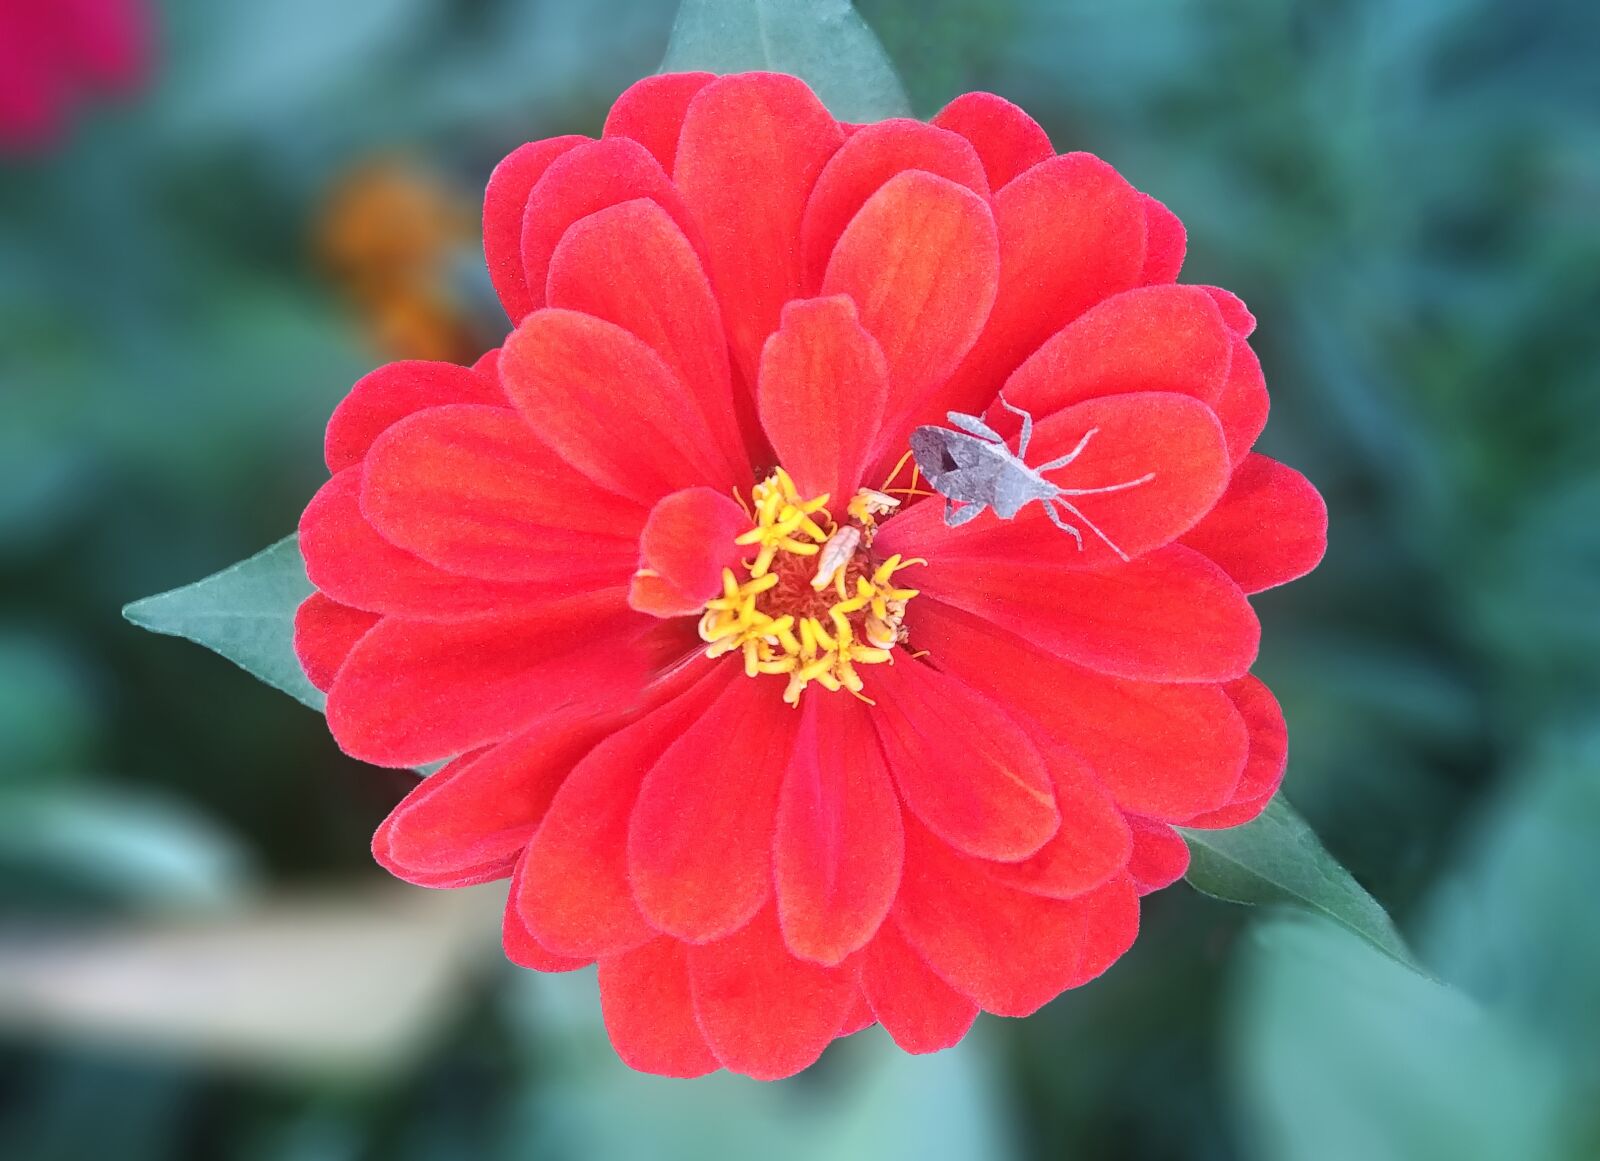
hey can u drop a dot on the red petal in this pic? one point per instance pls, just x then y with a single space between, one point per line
968 771
583 181
649 1012
1160 856
474 491
577 898
922 261
610 407
1269 756
347 559
1242 407
1008 140
1270 526
821 395
836 858
1167 751
765 1013
384 397
1090 847
631 265
1234 312
487 871
478 812
917 1008
1009 951
872 156
525 951
1173 439
1170 616
324 633
1165 240
505 200
860 1017
651 112
687 542
1155 338
1071 233
416 691
700 841
751 149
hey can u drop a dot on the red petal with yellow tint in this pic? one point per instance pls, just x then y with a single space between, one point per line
1269 756
872 156
1009 951
1168 751
1165 241
687 542
347 559
505 201
1007 140
413 692
384 397
651 112
1089 848
1160 856
525 951
611 407
1071 233
751 149
1170 616
964 767
700 840
483 811
765 1013
583 181
324 633
836 858
631 265
919 1010
473 491
649 1012
922 262
1269 527
821 395
576 895
1156 338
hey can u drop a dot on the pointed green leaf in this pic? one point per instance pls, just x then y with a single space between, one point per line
246 613
823 42
1277 858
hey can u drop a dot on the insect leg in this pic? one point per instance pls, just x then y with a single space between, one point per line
1055 518
1027 427
955 517
972 425
1090 525
1071 455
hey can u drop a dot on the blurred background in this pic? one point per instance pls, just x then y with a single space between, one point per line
215 216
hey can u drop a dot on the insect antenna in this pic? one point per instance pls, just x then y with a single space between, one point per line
1092 527
1122 487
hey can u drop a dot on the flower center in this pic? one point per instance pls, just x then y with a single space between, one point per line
813 603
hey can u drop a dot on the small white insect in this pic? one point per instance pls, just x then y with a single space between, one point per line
836 553
974 468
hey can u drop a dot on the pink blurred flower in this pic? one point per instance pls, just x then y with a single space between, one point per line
52 52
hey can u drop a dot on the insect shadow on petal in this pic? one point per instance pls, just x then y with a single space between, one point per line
974 469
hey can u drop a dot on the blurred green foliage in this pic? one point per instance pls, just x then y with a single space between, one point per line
1404 191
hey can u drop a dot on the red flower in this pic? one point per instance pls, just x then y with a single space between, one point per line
784 753
53 50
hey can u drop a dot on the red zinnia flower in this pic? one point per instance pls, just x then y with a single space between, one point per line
739 714
51 50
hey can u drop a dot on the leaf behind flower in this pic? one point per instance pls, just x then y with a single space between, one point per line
823 42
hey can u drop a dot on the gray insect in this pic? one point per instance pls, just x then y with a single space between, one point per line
974 468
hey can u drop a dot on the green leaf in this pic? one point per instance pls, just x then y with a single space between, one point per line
823 42
246 613
1277 858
